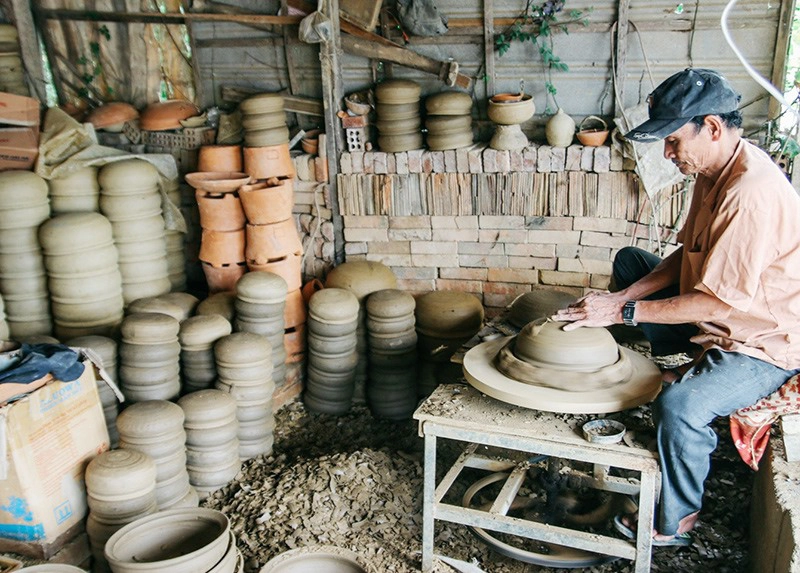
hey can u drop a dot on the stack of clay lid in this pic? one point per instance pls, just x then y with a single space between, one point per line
120 488
105 349
155 428
12 72
449 120
332 357
75 191
244 366
4 333
83 276
112 116
392 384
149 357
165 116
130 198
222 220
539 303
221 303
174 239
399 120
361 278
444 321
260 306
212 443
266 137
197 336
23 281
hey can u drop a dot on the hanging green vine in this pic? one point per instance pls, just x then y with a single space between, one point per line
92 67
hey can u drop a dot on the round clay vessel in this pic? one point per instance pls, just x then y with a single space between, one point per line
397 91
310 141
150 327
295 310
289 268
390 303
399 127
266 137
207 408
221 303
82 181
334 305
262 103
130 208
158 305
242 348
51 568
448 314
166 115
539 303
203 330
560 129
269 161
261 287
397 111
449 141
120 474
579 349
112 116
22 189
221 247
265 203
592 136
508 138
224 277
361 278
326 558
449 103
443 124
220 158
217 181
220 211
398 143
511 112
128 174
259 121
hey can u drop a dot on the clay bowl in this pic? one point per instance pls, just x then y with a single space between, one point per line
149 327
398 143
50 568
203 330
390 304
399 127
220 158
449 140
310 141
506 98
166 115
511 112
539 303
334 305
207 408
112 116
266 137
74 232
22 189
262 103
396 112
259 121
261 287
159 305
316 558
120 474
217 181
444 124
221 303
592 131
448 314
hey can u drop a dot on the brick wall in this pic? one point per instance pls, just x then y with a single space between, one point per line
494 223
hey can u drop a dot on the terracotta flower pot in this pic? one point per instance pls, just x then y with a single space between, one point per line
268 202
289 267
222 247
224 277
310 141
217 181
310 288
220 211
220 158
267 242
266 162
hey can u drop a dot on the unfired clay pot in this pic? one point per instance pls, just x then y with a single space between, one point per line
112 116
504 112
361 277
449 103
560 129
262 103
397 91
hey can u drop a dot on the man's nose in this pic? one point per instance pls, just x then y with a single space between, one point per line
669 152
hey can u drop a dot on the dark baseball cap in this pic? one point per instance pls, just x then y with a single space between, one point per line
682 96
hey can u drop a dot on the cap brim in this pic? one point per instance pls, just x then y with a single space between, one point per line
656 129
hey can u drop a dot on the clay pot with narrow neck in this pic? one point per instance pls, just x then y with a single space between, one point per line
220 211
560 129
220 158
268 202
269 161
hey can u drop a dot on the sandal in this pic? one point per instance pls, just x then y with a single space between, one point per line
677 540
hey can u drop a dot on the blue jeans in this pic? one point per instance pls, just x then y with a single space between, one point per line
718 385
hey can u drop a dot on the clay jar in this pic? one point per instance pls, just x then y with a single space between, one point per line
269 161
268 202
217 181
220 158
560 129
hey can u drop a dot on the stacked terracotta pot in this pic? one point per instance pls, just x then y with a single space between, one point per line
130 198
399 120
174 242
222 222
23 281
83 275
266 137
392 385
449 120
149 355
444 321
155 428
105 349
197 336
212 443
260 306
332 357
77 191
244 365
12 72
361 278
120 488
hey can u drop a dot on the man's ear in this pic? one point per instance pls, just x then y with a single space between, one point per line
714 125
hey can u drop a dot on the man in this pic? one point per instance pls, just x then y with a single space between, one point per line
730 295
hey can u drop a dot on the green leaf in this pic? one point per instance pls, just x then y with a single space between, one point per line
83 61
105 32
87 78
94 47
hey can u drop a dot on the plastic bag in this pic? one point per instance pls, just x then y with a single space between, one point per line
316 27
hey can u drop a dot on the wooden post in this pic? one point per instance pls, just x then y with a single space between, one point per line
782 39
488 45
29 47
621 52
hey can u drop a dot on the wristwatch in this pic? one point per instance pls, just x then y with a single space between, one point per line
628 312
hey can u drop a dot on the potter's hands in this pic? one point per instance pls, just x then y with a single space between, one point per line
595 309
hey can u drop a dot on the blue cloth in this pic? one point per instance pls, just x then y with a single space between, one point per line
41 359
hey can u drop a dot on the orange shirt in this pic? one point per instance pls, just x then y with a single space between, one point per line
741 244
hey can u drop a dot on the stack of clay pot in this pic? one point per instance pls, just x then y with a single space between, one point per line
212 443
332 357
266 137
83 276
178 305
221 303
392 384
449 120
260 306
173 240
4 333
197 336
120 488
105 349
23 281
149 356
12 72
399 120
76 191
444 321
155 428
244 365
130 198
361 278
222 221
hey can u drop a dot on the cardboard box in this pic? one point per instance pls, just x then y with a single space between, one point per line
19 144
19 110
47 438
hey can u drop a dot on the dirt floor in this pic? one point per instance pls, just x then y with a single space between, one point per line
356 483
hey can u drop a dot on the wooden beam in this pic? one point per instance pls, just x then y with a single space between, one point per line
488 45
621 54
782 39
165 18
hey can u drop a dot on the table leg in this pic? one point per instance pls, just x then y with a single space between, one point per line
428 502
644 531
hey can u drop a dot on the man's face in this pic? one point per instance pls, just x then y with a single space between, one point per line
688 148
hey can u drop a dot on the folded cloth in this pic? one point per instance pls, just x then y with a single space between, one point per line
41 359
750 426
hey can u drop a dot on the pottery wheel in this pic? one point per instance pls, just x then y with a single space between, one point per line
642 387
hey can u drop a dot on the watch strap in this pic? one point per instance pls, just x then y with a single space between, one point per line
629 313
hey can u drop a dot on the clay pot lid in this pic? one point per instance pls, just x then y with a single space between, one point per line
206 406
75 232
361 278
449 103
157 305
539 303
448 314
221 303
390 303
261 287
217 181
121 471
546 343
22 189
103 346
112 115
397 91
166 115
188 302
334 306
149 327
128 174
242 347
203 329
150 419
262 103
